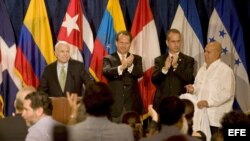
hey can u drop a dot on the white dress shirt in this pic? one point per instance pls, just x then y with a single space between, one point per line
216 85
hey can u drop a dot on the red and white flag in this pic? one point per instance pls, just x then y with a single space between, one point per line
75 30
145 44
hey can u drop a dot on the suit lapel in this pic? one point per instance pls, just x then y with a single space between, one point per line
181 56
68 77
116 59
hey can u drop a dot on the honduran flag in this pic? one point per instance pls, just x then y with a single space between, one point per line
75 30
9 82
187 21
35 47
145 44
224 27
112 22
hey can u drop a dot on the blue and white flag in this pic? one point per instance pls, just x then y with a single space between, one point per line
225 28
9 82
187 21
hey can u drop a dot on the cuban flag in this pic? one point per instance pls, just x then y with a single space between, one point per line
187 21
75 30
9 82
224 27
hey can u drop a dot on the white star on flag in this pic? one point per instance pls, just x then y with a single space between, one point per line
70 23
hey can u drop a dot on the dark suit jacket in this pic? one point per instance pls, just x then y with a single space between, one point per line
13 128
124 87
76 77
174 81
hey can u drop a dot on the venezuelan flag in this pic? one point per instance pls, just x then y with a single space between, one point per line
112 22
35 47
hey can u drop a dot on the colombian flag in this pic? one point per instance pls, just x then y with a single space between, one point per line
35 47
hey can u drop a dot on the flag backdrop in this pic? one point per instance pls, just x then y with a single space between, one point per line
145 44
75 30
9 82
35 47
112 22
187 21
224 27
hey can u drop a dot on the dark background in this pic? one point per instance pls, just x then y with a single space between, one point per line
163 11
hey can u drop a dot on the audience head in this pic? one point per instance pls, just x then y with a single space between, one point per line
36 105
173 40
171 111
21 94
123 41
234 120
62 52
189 113
212 52
132 118
98 99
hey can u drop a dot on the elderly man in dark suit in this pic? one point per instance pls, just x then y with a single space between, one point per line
122 70
172 70
64 75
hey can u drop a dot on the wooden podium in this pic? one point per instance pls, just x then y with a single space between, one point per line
61 109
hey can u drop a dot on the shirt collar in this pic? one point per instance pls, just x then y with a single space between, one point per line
59 65
213 64
170 54
120 55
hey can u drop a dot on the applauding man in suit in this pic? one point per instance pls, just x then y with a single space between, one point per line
64 75
172 70
122 70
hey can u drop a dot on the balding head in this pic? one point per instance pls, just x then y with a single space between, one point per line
21 94
212 52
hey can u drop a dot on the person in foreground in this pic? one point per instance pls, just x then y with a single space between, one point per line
64 75
122 70
214 86
37 114
97 127
14 128
173 70
172 120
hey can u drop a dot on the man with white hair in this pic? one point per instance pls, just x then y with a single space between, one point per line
64 75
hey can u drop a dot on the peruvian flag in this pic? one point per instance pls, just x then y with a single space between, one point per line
145 44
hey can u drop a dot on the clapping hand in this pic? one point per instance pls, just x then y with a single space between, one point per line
130 60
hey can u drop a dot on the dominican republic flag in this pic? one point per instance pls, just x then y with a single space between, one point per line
9 82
